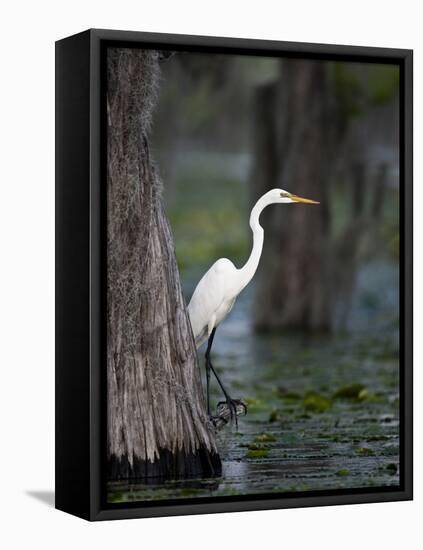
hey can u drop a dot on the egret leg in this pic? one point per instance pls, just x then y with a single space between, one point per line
232 403
208 367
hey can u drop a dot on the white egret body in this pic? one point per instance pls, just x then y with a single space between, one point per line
215 294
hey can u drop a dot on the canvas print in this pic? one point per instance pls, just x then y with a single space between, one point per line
253 255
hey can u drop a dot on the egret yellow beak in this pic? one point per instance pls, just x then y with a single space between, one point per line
300 199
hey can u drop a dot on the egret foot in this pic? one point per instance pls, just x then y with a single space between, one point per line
230 409
218 421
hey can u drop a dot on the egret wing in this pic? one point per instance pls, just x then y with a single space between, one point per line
207 298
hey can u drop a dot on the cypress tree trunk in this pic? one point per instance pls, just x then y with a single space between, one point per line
157 422
304 133
293 133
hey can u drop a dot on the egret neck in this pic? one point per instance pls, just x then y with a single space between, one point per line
247 271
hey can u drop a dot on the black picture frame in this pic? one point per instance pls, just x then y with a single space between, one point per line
80 273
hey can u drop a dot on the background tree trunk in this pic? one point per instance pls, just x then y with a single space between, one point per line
295 156
157 423
306 132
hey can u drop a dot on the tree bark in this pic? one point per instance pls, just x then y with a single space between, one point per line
157 422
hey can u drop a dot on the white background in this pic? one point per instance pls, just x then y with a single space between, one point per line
27 35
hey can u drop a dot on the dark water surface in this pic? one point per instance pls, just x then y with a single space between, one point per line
323 412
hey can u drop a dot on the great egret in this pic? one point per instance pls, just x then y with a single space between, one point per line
215 294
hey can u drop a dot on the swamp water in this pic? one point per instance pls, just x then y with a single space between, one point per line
323 412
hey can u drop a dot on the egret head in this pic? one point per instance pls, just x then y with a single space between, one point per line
280 195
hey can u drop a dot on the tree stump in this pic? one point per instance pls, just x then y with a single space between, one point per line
157 422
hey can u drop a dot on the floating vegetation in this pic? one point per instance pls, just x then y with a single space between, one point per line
256 446
365 451
336 428
376 438
390 451
287 394
265 437
350 391
275 415
257 453
363 395
314 402
189 491
251 401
